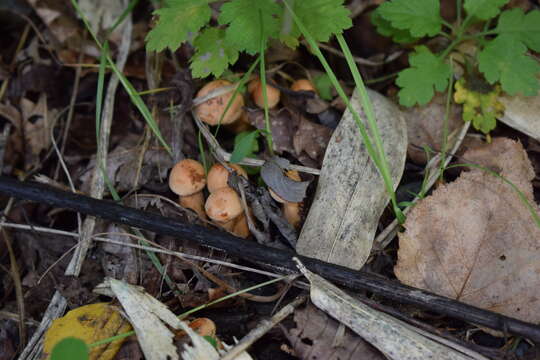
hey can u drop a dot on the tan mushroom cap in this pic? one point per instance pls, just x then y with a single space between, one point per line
218 176
211 110
223 205
303 85
272 94
187 177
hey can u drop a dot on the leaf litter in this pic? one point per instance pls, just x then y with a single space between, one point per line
474 240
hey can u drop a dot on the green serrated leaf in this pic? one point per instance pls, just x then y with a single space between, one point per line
212 53
324 86
178 20
419 17
427 73
245 144
322 18
250 21
521 27
483 9
385 28
505 60
70 348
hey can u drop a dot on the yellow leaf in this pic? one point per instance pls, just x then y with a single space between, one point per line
90 323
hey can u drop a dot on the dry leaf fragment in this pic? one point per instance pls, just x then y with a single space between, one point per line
474 240
315 332
393 337
351 195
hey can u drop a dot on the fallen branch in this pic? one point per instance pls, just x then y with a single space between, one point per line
278 260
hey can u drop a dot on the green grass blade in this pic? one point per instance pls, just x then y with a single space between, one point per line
133 94
262 76
372 122
380 162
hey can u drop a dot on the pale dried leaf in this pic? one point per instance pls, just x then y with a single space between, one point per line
314 335
148 317
474 240
521 113
394 338
351 195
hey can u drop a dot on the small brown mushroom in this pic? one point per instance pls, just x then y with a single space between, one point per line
219 175
211 110
291 211
272 94
225 208
303 85
187 179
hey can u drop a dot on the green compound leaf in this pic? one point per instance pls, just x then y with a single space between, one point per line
245 145
385 28
427 72
482 109
250 21
483 9
178 20
212 53
505 60
322 19
419 17
521 27
70 348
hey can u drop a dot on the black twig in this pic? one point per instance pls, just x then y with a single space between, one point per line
276 259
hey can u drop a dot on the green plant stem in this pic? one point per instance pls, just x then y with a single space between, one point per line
262 76
133 95
370 115
448 25
381 78
458 12
240 85
444 140
443 34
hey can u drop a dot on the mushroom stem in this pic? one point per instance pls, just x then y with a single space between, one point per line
291 212
194 202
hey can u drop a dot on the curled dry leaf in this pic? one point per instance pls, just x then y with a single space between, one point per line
288 189
474 240
317 336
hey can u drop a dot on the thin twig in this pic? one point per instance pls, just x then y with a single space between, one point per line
263 328
359 60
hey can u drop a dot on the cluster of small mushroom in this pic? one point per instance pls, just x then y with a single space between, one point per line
235 118
187 178
223 206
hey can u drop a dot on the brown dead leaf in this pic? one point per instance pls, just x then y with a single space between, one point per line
312 139
474 240
318 336
282 124
425 126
